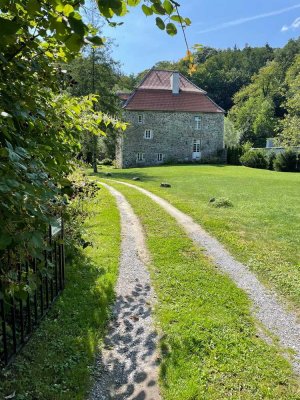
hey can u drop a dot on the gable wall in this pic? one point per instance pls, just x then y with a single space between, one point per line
173 136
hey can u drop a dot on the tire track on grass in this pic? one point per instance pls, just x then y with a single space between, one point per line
127 367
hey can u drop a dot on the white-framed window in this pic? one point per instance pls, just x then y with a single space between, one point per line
197 123
196 145
148 134
160 157
140 156
140 118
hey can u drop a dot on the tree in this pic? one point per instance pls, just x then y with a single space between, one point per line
231 134
254 111
102 81
40 124
290 126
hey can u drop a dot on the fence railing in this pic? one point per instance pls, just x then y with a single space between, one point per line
20 316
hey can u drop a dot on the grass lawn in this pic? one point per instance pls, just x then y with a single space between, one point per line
262 227
210 349
57 363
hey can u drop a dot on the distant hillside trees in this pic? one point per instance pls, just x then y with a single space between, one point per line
269 105
289 128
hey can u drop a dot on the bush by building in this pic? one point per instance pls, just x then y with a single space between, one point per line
255 159
288 161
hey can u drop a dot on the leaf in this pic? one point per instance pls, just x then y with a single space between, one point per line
187 21
158 9
160 23
49 54
68 9
147 10
77 25
96 40
133 3
168 6
74 42
171 29
176 18
8 27
33 6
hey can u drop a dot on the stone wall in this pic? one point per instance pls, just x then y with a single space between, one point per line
173 137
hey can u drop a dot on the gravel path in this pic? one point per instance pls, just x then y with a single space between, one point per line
266 307
128 365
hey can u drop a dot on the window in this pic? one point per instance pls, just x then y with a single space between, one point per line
196 146
160 157
140 118
148 134
140 156
197 123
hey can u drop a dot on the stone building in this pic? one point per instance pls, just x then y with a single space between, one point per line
170 120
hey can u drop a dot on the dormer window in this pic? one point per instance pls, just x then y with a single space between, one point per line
197 123
140 118
148 134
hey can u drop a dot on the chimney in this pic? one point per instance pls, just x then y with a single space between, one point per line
175 82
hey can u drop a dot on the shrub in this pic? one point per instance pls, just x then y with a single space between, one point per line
255 159
107 161
286 161
221 202
234 154
271 159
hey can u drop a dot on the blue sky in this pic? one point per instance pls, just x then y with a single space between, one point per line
217 23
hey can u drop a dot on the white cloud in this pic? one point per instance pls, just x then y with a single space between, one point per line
241 21
294 25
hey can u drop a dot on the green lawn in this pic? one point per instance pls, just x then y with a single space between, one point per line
262 227
210 349
57 362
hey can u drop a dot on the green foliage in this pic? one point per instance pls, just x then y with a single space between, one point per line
40 123
286 161
107 161
57 362
222 73
254 109
255 159
289 133
222 202
259 107
234 154
271 159
102 79
231 134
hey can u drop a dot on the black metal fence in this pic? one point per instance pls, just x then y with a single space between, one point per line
20 316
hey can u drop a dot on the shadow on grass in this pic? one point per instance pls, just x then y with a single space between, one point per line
129 175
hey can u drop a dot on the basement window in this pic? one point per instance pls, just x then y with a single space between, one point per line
140 156
160 157
197 123
140 118
148 134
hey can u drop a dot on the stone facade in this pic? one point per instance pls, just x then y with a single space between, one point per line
172 138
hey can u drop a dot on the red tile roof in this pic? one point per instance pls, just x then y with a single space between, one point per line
155 94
